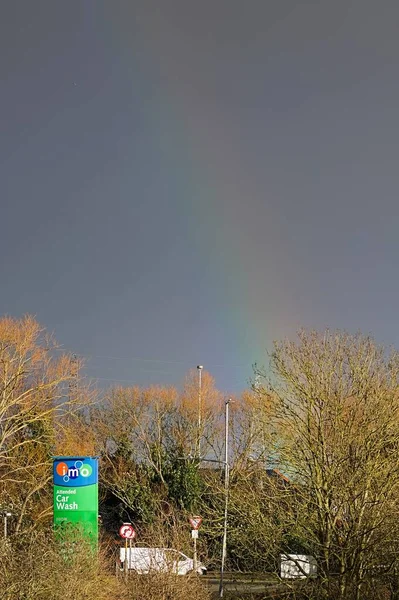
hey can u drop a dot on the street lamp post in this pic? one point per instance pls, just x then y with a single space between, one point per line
199 368
226 493
226 486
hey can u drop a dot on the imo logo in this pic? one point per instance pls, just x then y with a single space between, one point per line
72 472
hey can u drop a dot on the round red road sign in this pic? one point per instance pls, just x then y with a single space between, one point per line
127 531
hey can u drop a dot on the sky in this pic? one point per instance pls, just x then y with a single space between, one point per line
184 182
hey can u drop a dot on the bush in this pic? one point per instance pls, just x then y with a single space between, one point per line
165 586
36 567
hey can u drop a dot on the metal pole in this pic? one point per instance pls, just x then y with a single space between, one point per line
195 555
226 494
5 525
126 565
130 552
199 367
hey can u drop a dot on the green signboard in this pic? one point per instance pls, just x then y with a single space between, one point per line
75 489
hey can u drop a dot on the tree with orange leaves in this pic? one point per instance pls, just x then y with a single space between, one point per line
35 398
201 407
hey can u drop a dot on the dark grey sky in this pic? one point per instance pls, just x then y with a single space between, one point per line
185 181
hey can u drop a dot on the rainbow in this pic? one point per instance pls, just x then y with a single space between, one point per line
221 195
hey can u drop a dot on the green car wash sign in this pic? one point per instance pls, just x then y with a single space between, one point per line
75 484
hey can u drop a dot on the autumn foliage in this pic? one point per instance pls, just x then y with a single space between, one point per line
313 462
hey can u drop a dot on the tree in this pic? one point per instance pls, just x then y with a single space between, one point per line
35 398
256 527
335 420
200 411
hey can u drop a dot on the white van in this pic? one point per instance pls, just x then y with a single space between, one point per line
144 560
297 566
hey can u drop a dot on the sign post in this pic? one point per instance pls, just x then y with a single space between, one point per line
130 552
127 532
125 563
75 494
195 523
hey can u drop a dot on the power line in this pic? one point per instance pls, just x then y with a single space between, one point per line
115 380
157 360
132 381
136 368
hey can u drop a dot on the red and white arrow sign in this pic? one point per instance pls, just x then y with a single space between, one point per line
127 531
195 522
